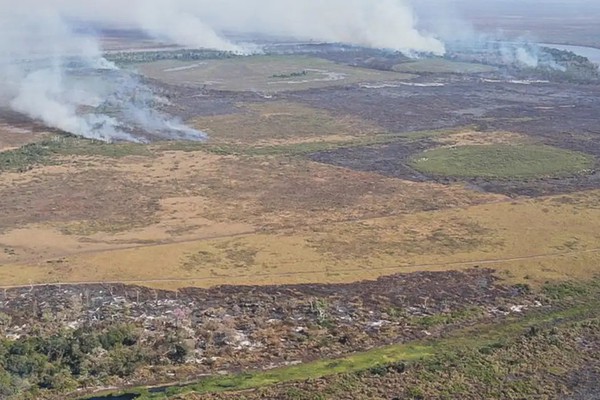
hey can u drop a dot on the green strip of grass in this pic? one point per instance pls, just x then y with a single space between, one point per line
285 149
300 148
46 151
482 336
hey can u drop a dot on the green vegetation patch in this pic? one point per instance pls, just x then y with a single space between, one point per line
502 162
298 149
468 348
264 73
277 150
44 152
537 363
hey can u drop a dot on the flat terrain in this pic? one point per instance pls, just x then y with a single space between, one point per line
326 184
344 208
502 161
442 66
264 73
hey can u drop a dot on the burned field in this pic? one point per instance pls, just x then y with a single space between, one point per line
230 329
316 139
439 95
345 228
231 338
542 113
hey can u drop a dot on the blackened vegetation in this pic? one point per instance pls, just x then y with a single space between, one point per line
544 105
555 114
56 339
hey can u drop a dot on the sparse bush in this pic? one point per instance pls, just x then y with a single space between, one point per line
290 75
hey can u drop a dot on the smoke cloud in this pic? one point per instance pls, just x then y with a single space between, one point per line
389 24
56 74
50 73
454 22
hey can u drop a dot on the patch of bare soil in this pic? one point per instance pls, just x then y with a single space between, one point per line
17 130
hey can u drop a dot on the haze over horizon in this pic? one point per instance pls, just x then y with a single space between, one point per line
48 30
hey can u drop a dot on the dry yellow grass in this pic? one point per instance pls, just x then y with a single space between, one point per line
533 240
472 138
52 212
174 218
276 123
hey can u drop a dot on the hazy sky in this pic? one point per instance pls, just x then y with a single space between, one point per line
39 48
41 30
378 23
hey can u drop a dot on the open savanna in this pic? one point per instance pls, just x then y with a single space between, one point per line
270 74
279 123
249 207
529 240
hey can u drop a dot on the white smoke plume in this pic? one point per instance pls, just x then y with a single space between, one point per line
53 74
389 24
476 26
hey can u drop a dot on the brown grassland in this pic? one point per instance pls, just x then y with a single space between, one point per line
178 215
342 233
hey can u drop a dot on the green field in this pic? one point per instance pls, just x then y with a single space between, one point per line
45 151
264 73
502 161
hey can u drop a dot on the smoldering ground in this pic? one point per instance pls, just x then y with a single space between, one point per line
52 74
55 74
53 71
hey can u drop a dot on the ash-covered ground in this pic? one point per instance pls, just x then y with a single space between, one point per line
552 102
360 109
230 328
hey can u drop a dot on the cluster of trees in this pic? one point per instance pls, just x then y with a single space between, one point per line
180 55
292 75
575 68
64 361
562 56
